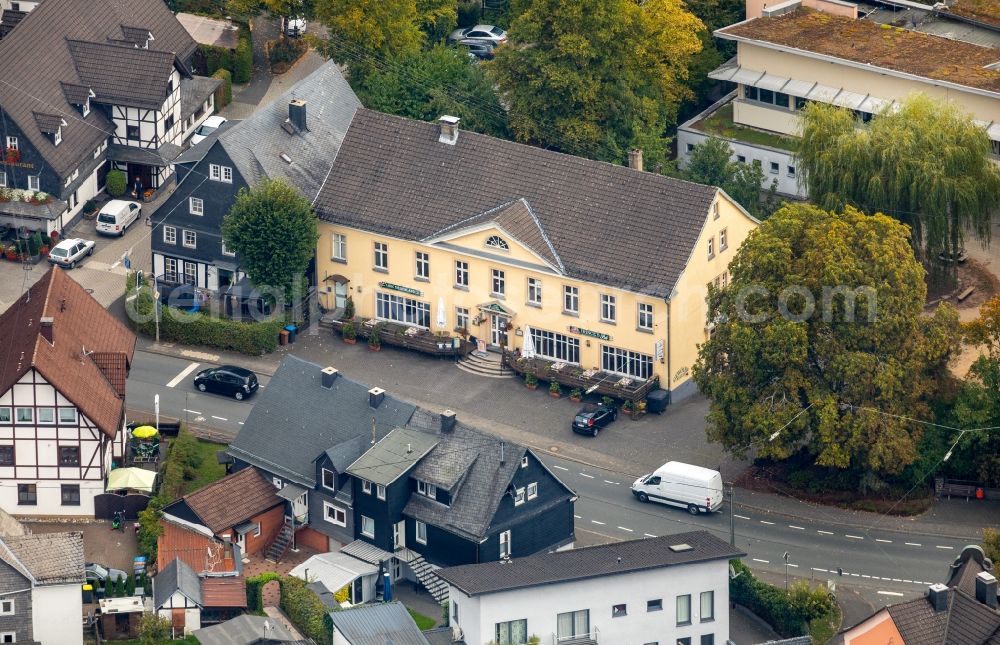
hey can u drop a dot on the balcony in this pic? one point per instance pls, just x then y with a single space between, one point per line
578 639
719 122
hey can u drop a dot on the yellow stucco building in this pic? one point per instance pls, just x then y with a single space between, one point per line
592 264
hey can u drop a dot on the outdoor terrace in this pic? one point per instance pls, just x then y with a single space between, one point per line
984 11
720 124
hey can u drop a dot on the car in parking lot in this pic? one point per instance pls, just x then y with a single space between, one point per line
229 380
481 33
96 574
70 251
478 49
593 417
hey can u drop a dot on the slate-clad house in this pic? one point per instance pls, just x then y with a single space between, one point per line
295 138
395 485
90 86
62 398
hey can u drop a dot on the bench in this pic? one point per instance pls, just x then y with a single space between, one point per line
958 490
965 294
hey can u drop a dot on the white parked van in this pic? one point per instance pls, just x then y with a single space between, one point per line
697 489
116 216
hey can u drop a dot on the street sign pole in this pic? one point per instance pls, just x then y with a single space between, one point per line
156 409
732 516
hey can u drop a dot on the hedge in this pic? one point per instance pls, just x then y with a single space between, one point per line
243 62
255 589
305 610
116 183
788 612
224 93
209 59
254 338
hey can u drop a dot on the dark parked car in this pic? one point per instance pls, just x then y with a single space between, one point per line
230 380
478 49
593 417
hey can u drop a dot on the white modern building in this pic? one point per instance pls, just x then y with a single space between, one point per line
658 591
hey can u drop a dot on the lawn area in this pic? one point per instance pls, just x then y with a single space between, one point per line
720 124
423 622
210 469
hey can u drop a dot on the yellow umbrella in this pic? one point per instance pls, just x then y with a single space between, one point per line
144 432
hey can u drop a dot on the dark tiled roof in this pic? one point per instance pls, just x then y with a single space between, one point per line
233 499
393 176
378 623
48 211
48 123
194 92
35 59
176 576
115 368
10 19
48 558
244 629
123 74
80 324
310 419
75 94
161 156
964 622
343 454
588 562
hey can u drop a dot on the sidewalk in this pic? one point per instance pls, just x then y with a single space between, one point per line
507 408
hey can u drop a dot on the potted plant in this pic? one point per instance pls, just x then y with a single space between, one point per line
44 250
12 155
608 401
54 236
627 405
12 253
554 390
375 339
348 309
350 334
530 381
576 395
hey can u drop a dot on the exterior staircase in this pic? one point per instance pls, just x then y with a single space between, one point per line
484 364
277 549
437 587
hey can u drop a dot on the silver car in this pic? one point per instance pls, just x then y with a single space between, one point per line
70 251
480 33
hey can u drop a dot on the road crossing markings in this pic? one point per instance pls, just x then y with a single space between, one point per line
578 517
649 535
596 522
794 566
607 481
625 529
184 372
192 411
949 548
890 593
886 541
822 570
797 528
220 418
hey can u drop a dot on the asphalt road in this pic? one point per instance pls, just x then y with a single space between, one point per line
884 565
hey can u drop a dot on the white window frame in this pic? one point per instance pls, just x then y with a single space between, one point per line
571 299
227 174
191 273
226 251
518 496
505 548
52 415
34 182
170 269
723 241
534 291
532 490
364 531
215 172
169 235
7 612
61 420
524 461
327 506
626 362
57 136
498 282
381 259
193 244
256 530
398 308
644 314
461 273
17 415
423 265
322 479
555 346
12 143
4 636
497 242
418 525
338 243
609 308
462 317
380 491
366 487
711 247
277 482
196 206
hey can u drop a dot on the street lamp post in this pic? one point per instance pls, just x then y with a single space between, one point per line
732 512
785 556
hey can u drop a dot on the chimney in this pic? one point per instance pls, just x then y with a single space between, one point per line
449 129
635 159
329 376
45 324
375 397
447 421
986 589
938 595
297 114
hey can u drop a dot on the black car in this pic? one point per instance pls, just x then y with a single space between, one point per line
593 417
479 49
230 380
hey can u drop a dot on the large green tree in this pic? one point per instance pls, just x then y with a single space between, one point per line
597 77
711 163
428 84
926 164
365 34
272 228
820 339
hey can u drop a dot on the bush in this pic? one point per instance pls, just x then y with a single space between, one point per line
349 308
154 629
243 62
130 585
109 588
787 612
286 50
348 331
116 183
255 589
120 587
375 337
224 93
468 13
304 608
209 59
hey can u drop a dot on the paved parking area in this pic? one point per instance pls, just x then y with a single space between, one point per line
101 543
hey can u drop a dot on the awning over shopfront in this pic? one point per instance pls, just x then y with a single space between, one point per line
161 156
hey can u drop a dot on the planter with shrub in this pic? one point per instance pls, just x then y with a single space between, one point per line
375 339
116 183
576 395
349 333
554 390
530 381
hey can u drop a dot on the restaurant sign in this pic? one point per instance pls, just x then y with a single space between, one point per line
396 287
587 332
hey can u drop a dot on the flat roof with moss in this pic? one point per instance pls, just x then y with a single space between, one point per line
868 43
984 11
720 124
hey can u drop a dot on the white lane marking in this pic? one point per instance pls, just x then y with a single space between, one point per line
797 528
890 593
853 537
824 532
907 581
886 541
949 548
795 566
240 422
766 522
896 580
559 467
220 418
865 576
742 517
115 265
913 544
596 522
649 535
606 481
759 560
856 575
578 517
823 570
625 529
192 411
586 475
184 372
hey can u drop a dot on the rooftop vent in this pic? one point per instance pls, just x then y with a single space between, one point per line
375 397
329 376
285 158
449 129
938 596
297 114
986 589
681 548
447 421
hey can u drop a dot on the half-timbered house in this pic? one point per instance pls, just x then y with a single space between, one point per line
62 398
90 87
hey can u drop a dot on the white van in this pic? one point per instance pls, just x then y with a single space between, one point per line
116 216
693 487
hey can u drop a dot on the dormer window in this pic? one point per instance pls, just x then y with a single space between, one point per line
497 242
427 490
85 108
57 136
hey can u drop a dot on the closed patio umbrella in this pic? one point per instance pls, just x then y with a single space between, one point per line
442 316
528 351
